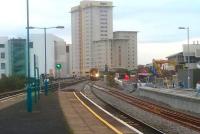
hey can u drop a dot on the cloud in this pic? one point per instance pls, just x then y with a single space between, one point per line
156 21
12 13
149 51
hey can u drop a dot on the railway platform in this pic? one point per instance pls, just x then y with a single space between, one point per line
168 120
187 93
79 118
185 100
60 112
46 117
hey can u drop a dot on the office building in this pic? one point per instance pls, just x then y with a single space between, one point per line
17 57
193 53
61 57
56 53
119 52
91 21
124 50
4 59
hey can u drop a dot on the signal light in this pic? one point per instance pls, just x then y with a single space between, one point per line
58 66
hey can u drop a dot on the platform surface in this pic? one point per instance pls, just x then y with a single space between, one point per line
79 118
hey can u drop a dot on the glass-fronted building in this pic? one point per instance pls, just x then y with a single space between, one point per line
17 51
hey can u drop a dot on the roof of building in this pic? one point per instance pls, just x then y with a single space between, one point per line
87 3
174 55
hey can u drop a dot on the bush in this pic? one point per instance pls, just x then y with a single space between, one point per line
12 83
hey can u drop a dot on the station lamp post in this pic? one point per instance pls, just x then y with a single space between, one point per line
188 59
28 86
45 52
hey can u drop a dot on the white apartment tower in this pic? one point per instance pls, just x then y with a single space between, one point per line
91 21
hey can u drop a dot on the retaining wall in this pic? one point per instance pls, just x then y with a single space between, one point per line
186 103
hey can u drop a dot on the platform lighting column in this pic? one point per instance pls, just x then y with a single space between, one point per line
28 86
188 43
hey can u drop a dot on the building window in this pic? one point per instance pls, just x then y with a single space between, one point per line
103 26
104 31
3 75
103 19
67 49
104 23
2 55
103 15
2 45
103 3
30 44
103 34
103 11
3 66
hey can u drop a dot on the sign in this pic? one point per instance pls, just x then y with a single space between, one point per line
58 66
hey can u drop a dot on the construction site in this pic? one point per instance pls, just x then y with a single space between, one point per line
170 73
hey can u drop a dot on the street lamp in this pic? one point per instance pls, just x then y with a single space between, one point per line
188 43
29 90
45 59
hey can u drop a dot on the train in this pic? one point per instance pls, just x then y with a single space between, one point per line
94 74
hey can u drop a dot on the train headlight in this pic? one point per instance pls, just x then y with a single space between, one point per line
97 75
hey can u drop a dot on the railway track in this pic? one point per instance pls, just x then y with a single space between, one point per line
169 114
53 86
11 94
135 123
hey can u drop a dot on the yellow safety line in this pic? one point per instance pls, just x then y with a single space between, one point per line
97 116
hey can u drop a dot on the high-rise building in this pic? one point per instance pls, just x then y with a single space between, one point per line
124 49
91 21
4 59
17 57
119 52
102 54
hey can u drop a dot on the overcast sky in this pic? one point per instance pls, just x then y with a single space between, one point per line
156 20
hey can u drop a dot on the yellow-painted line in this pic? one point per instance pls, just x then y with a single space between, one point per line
97 116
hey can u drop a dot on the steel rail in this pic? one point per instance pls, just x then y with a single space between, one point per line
178 117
